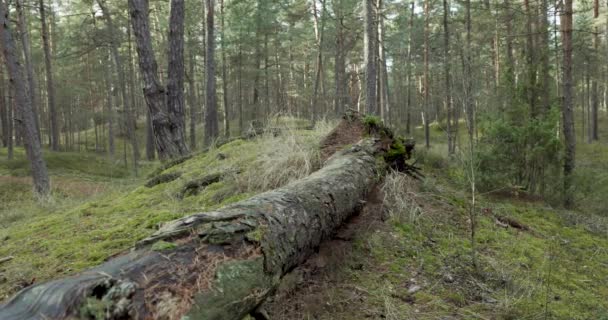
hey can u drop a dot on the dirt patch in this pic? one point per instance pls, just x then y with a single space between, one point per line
347 132
303 292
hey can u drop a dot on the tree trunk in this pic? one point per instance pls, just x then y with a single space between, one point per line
167 133
109 110
595 101
25 115
50 91
4 108
223 264
545 66
122 82
192 94
27 54
320 34
510 63
468 76
227 111
448 77
408 78
531 64
371 72
340 61
175 72
385 89
567 104
427 96
211 121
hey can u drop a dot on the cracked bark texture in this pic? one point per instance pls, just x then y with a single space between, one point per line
213 265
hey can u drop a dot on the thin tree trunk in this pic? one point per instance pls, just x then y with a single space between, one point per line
50 91
531 61
240 85
595 101
510 63
109 110
4 108
192 95
427 96
408 78
25 115
448 76
211 121
27 53
340 61
468 76
545 71
371 73
122 84
567 106
133 107
320 34
385 92
168 137
227 111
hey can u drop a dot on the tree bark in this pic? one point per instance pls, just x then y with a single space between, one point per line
4 109
567 103
340 61
223 264
109 110
227 111
468 76
408 78
595 101
448 77
167 133
427 96
175 71
50 91
25 115
371 72
385 89
544 58
211 121
192 94
27 54
320 34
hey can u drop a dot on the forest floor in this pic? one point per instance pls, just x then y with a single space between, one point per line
407 255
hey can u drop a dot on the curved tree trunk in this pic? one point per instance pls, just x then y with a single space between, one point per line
213 265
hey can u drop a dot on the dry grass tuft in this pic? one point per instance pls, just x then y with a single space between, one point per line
285 157
400 198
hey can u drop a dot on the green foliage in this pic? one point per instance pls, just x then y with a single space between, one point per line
371 121
523 154
163 245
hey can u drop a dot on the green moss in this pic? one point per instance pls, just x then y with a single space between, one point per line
163 245
256 234
372 121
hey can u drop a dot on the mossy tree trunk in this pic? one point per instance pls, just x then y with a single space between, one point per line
213 265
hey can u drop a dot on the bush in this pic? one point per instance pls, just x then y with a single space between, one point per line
524 154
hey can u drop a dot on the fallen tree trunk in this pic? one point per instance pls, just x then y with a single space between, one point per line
213 265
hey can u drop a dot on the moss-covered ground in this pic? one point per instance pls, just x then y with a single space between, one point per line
533 260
